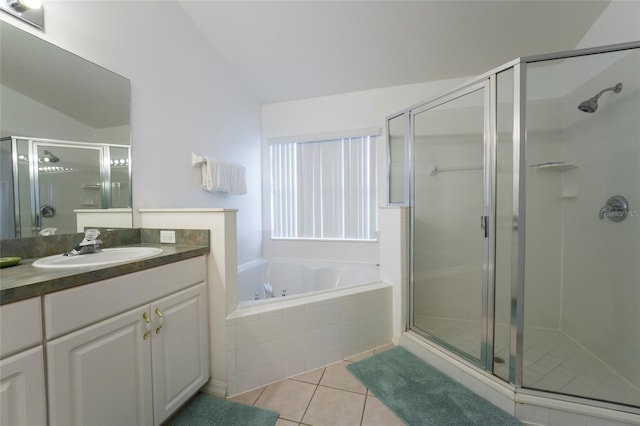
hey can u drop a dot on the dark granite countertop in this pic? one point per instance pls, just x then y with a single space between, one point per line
24 281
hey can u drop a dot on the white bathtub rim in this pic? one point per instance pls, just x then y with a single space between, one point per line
303 299
245 304
312 265
317 263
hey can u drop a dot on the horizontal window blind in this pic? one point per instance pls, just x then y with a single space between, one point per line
324 189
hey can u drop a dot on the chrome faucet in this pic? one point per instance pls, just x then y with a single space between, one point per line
90 244
268 290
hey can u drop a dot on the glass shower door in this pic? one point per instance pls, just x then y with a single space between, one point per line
62 173
449 216
581 332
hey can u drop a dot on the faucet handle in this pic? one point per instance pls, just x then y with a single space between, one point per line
91 234
85 243
615 209
603 211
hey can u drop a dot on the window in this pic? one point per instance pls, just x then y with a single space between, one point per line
324 189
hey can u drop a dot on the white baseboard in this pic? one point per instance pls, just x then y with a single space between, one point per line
215 388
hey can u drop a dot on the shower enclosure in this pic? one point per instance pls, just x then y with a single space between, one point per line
45 183
524 195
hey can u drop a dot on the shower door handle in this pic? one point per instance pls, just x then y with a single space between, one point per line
484 224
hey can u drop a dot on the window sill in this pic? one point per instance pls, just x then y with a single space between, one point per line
326 240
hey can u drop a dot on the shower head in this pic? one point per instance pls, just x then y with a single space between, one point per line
591 105
49 157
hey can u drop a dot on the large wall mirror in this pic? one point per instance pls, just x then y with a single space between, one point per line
65 136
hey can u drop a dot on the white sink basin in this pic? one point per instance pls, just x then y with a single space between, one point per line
105 257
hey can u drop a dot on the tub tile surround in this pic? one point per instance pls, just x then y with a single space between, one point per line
281 342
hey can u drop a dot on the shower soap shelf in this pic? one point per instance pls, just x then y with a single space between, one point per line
569 194
556 166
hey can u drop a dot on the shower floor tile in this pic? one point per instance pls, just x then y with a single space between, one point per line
552 360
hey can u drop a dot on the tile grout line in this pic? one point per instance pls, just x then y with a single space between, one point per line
364 406
314 394
256 400
343 390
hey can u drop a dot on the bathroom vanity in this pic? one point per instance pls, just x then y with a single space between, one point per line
129 346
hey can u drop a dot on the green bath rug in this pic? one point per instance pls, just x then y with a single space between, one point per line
421 395
209 410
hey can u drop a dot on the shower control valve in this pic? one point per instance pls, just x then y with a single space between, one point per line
616 209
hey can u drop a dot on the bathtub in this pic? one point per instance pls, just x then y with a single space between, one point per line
293 279
331 311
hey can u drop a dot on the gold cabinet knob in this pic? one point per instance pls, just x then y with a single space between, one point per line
147 325
160 319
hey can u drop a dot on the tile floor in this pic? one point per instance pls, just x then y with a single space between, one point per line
552 360
328 396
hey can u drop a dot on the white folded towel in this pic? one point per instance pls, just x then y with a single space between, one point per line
218 176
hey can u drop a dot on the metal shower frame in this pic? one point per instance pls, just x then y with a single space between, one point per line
104 152
519 67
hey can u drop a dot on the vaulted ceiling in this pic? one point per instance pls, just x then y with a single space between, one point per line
297 49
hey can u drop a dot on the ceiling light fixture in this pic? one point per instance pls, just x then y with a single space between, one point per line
30 11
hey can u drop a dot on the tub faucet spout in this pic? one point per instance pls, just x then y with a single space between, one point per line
268 290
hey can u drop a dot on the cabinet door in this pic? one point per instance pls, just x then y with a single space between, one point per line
22 390
101 374
179 347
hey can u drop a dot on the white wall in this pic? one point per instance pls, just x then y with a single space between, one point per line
27 117
618 23
184 99
328 114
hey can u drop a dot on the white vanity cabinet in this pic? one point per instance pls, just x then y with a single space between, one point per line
128 350
22 384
